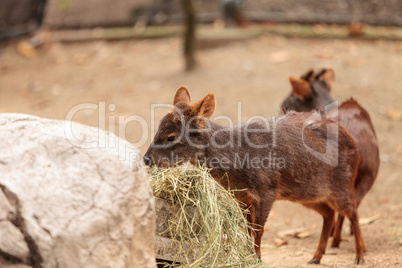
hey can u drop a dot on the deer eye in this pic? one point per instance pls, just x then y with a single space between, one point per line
171 138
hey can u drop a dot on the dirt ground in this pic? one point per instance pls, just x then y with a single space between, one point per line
249 78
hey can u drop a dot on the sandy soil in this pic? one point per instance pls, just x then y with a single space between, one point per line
249 78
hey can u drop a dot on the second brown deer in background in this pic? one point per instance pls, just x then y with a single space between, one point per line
312 90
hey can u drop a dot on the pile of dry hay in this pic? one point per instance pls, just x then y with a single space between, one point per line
215 228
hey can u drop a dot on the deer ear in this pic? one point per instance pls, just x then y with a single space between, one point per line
308 76
301 88
205 107
182 96
327 75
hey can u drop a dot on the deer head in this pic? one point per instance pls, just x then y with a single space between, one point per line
310 91
183 133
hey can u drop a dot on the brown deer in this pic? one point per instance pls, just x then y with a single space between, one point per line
273 159
312 91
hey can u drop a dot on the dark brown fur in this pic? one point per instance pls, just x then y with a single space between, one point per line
304 178
355 120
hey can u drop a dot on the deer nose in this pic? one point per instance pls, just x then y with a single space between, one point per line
147 161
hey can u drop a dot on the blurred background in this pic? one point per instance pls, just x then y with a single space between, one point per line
126 55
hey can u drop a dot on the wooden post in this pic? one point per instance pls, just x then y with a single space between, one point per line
189 35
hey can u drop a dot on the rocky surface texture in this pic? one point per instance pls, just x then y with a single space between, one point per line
71 196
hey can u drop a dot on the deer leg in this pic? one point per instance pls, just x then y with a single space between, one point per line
331 233
337 231
259 207
257 240
248 217
249 202
255 230
328 220
359 243
261 217
251 219
362 186
245 202
262 210
360 193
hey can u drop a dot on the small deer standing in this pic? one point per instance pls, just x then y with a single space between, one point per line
240 157
312 90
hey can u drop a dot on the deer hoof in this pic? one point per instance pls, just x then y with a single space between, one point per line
314 261
335 243
359 261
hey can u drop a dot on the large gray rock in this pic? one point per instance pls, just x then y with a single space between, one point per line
71 196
